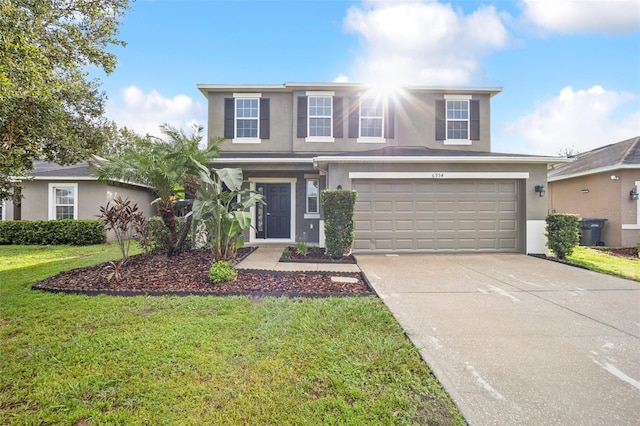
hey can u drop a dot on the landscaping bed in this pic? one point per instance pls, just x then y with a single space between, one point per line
187 273
626 252
312 255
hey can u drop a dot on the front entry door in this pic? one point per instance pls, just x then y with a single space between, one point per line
274 219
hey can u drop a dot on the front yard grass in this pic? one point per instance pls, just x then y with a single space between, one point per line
598 261
69 359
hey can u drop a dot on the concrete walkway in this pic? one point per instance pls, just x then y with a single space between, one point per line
517 340
268 257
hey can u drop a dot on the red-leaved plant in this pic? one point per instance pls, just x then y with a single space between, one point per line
124 219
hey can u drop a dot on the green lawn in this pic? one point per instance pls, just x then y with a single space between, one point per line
67 359
601 262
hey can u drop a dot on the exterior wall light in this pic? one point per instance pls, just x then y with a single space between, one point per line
633 194
540 190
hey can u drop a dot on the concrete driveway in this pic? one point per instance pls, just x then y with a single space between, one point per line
517 340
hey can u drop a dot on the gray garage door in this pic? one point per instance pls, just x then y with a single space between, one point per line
436 215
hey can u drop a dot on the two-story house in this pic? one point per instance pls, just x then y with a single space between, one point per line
420 159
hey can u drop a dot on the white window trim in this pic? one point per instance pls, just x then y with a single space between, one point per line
317 94
370 139
307 213
448 141
236 139
632 225
319 139
4 210
252 209
52 198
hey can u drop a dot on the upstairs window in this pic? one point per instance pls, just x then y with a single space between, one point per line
247 117
371 118
457 119
63 201
320 116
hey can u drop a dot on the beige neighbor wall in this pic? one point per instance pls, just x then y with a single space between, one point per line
599 196
91 195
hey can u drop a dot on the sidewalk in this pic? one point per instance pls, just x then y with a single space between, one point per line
268 257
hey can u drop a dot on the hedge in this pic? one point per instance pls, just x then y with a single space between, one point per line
563 233
338 207
52 232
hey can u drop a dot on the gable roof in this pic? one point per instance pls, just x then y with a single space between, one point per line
621 155
44 170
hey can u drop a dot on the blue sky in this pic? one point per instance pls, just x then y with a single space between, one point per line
569 69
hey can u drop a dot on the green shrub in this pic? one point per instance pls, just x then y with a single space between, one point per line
286 253
154 237
338 207
302 249
222 271
563 233
52 232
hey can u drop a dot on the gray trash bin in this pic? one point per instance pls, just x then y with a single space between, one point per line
590 231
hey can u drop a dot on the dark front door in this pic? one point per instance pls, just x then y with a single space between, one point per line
274 219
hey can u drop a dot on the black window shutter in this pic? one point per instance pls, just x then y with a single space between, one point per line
389 120
441 122
354 117
229 115
338 125
264 118
474 122
302 116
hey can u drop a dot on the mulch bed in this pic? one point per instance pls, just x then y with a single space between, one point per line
627 252
315 255
187 274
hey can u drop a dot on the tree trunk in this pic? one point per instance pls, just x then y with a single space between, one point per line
165 211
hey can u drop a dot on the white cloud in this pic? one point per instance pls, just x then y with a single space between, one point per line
582 119
341 78
572 16
145 112
423 42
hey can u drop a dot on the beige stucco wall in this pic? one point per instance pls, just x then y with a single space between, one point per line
606 199
414 124
91 195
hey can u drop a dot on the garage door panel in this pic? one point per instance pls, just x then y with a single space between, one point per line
487 225
405 206
432 215
383 206
425 206
507 225
405 225
424 225
383 225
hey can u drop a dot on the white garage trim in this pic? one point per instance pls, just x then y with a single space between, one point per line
439 175
536 236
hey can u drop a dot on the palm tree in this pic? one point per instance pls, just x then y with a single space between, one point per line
168 165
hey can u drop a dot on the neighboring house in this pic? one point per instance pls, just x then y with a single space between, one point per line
420 160
602 184
70 192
